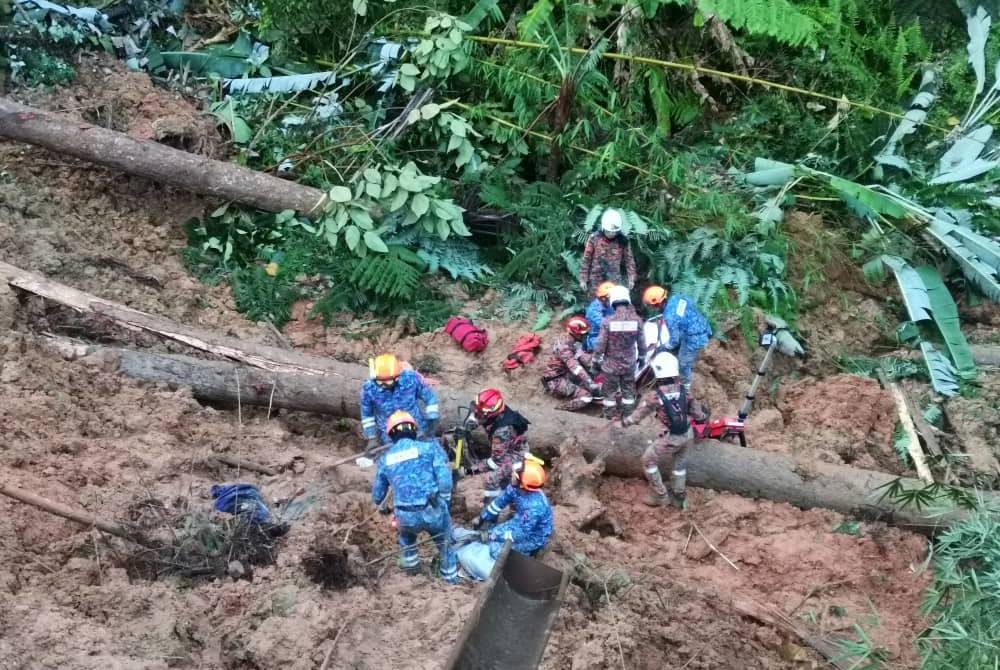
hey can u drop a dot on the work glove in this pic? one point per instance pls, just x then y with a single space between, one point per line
371 443
431 430
471 424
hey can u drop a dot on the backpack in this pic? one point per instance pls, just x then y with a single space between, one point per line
468 336
675 412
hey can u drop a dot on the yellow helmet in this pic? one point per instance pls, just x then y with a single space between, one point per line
385 368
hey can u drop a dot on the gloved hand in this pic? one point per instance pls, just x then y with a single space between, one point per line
471 424
385 509
431 430
371 443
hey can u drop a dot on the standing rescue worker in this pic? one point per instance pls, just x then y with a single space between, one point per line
564 376
598 309
530 527
607 256
673 407
616 353
420 479
689 329
392 388
506 430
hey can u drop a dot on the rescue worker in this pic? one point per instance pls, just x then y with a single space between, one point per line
417 472
689 329
506 430
598 309
616 353
392 388
607 256
675 409
530 526
564 376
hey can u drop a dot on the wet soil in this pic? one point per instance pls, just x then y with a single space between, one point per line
80 434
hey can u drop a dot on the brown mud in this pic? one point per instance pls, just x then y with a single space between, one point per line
80 434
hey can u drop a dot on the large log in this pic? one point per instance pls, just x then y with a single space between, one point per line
155 161
321 385
725 467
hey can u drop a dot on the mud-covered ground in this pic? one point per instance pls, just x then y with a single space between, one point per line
80 434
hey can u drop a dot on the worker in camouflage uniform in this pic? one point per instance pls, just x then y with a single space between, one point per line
530 527
505 429
689 329
392 388
564 375
607 255
616 353
598 309
420 479
675 409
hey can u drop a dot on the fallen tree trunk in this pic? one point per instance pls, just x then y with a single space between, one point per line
321 385
725 467
155 161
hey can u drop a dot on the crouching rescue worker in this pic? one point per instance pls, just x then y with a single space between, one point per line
506 430
689 329
564 376
673 407
616 353
392 388
530 526
420 479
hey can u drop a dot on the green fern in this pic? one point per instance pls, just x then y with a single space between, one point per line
388 275
779 19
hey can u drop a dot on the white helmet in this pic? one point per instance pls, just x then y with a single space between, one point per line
665 365
619 295
611 221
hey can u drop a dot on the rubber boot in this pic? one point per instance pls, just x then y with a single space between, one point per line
657 495
411 570
578 403
609 412
678 496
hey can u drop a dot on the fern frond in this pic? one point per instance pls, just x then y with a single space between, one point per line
387 275
779 19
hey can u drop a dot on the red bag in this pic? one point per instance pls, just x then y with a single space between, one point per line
468 336
523 351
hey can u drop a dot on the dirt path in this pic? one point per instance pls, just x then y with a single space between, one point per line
82 435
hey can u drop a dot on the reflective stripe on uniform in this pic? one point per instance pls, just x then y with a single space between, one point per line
681 307
433 409
491 464
609 402
492 493
410 560
628 401
652 468
493 509
397 457
368 422
680 473
624 326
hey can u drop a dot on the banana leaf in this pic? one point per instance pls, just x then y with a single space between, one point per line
284 84
944 378
914 116
230 67
978 26
977 255
945 314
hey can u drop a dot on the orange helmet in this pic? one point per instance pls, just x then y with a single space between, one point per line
489 402
577 326
604 289
528 474
401 424
654 296
384 369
